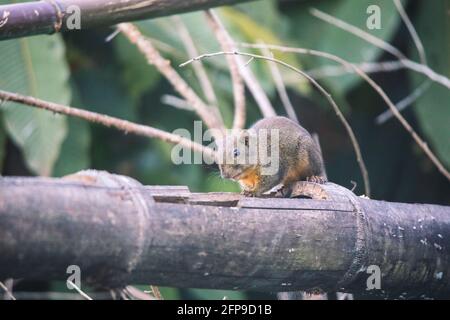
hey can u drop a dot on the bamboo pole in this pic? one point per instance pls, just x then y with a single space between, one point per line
120 232
47 17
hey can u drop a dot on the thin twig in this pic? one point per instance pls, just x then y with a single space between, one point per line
412 65
156 293
112 35
227 44
358 32
108 121
425 70
248 62
371 67
328 96
176 102
81 292
154 58
199 69
412 31
256 90
281 88
339 70
405 102
263 102
422 144
7 291
411 98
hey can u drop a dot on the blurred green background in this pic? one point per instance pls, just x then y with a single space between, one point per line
81 69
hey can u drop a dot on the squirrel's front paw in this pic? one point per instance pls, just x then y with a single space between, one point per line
316 179
248 193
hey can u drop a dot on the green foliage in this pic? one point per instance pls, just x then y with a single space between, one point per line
170 293
246 26
432 109
309 32
137 75
75 150
35 66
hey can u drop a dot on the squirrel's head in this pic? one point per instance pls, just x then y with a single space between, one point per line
235 154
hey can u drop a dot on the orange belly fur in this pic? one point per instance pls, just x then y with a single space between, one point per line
250 179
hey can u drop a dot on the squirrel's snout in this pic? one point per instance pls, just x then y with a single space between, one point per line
224 173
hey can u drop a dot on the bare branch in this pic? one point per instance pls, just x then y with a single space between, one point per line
7 291
411 98
154 58
227 44
281 88
339 70
255 89
425 70
422 144
358 32
253 85
237 239
108 121
156 293
405 102
176 102
199 69
46 17
412 31
328 96
418 67
78 289
370 67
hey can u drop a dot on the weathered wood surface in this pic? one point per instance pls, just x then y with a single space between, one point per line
46 17
120 232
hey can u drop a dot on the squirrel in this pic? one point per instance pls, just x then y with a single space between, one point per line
296 158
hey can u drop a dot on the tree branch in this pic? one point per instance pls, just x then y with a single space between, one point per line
119 232
405 102
281 88
46 17
227 44
412 31
199 69
412 65
122 125
154 58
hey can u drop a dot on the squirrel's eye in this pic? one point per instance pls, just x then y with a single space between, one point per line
235 153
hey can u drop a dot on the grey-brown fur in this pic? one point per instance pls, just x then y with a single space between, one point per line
299 156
